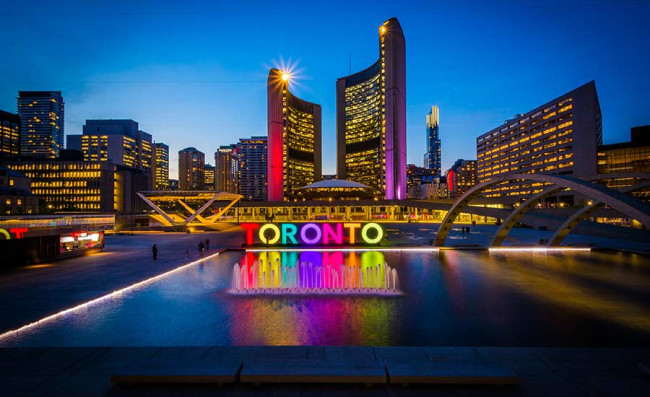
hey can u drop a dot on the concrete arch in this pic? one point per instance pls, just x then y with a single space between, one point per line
625 204
567 226
520 211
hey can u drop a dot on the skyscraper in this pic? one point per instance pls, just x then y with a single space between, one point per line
433 156
208 173
42 121
253 167
461 177
294 139
191 173
371 119
9 135
226 166
161 166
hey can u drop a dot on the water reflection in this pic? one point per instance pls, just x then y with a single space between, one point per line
308 272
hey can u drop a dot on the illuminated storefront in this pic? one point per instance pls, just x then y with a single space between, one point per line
34 239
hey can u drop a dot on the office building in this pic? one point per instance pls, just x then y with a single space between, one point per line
83 186
433 156
461 177
559 137
173 184
9 135
42 119
371 119
252 154
191 169
294 139
161 166
226 166
209 171
415 177
626 157
119 142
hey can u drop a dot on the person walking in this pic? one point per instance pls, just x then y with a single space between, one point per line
201 247
207 244
154 251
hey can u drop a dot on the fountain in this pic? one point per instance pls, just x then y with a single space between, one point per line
314 273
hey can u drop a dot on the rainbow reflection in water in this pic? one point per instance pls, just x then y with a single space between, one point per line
313 272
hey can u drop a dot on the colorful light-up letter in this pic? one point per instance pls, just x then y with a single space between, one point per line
328 233
249 227
364 233
303 233
352 233
289 231
276 231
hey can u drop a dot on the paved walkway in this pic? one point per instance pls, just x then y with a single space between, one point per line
542 371
28 294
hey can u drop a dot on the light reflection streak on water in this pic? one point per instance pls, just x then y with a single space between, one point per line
514 270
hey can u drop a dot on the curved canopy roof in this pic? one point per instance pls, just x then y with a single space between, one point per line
336 183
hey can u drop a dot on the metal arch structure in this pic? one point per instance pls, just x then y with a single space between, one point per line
568 225
180 197
621 202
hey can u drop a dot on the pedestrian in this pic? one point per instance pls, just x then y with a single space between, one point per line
201 247
154 250
207 244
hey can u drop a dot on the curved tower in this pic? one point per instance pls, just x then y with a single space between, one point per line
294 139
371 119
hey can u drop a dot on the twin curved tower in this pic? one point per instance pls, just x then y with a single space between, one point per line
370 126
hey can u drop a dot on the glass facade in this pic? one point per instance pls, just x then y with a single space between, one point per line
252 156
433 156
294 139
42 119
226 169
371 119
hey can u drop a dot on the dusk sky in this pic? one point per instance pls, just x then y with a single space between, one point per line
194 73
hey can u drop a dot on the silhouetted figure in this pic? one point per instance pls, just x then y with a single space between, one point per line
207 244
154 251
201 248
467 229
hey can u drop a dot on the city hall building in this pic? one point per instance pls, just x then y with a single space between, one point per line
294 139
371 119
561 136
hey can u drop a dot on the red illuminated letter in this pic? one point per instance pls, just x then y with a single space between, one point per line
19 231
249 227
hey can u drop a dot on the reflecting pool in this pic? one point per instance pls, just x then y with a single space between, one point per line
453 298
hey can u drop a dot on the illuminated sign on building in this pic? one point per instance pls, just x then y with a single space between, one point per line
313 233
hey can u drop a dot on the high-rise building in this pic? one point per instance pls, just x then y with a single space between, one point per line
226 166
191 169
161 166
253 167
294 139
9 135
433 156
559 137
461 177
371 119
116 141
42 123
209 171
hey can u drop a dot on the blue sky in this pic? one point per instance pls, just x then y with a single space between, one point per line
194 73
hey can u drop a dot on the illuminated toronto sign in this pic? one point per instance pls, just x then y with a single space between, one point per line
313 233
